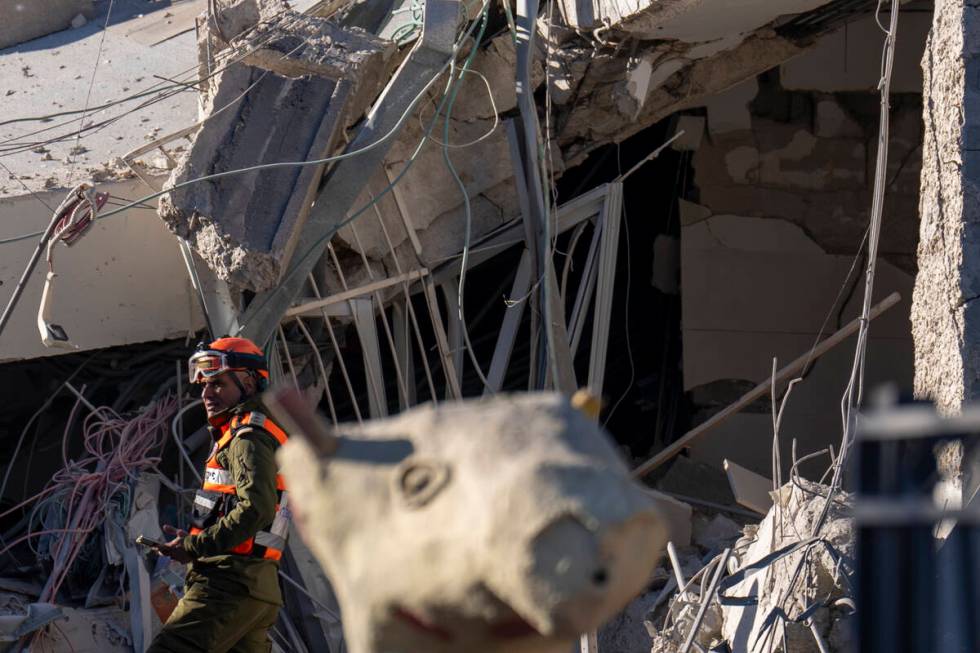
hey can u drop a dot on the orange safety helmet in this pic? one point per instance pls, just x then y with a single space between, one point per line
225 355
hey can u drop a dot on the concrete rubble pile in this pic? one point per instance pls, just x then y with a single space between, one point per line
776 602
632 629
61 629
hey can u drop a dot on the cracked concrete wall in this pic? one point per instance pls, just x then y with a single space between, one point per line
808 157
945 313
782 188
756 288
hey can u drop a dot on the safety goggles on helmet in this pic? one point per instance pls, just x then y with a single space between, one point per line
209 363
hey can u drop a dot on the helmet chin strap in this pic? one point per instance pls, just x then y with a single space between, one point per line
241 386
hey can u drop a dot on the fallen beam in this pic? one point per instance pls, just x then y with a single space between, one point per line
349 176
760 390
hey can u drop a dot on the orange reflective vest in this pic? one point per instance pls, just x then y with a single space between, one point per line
218 491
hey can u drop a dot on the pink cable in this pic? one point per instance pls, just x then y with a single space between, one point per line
118 450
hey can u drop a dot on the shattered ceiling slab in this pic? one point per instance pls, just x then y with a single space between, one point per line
691 21
291 104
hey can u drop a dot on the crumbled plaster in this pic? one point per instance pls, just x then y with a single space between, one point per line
729 110
806 160
833 122
742 164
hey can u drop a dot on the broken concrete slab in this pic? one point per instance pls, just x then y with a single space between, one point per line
605 110
235 17
246 226
347 178
293 45
734 624
750 489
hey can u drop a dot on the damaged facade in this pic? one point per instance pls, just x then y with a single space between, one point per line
411 203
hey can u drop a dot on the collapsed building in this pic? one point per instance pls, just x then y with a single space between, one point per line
669 202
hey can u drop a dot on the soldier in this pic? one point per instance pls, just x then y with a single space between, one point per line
240 523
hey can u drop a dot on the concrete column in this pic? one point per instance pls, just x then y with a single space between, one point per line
945 311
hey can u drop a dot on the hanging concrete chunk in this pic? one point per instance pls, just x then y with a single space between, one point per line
304 80
483 526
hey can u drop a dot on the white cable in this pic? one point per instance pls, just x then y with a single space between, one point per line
179 442
854 392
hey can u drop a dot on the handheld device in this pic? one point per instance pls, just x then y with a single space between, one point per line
145 541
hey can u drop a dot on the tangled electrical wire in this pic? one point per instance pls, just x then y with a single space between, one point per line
93 488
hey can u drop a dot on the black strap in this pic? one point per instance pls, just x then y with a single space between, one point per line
246 361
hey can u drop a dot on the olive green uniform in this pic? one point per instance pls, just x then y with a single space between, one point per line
231 600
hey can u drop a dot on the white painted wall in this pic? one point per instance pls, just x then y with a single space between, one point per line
758 288
849 59
123 282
